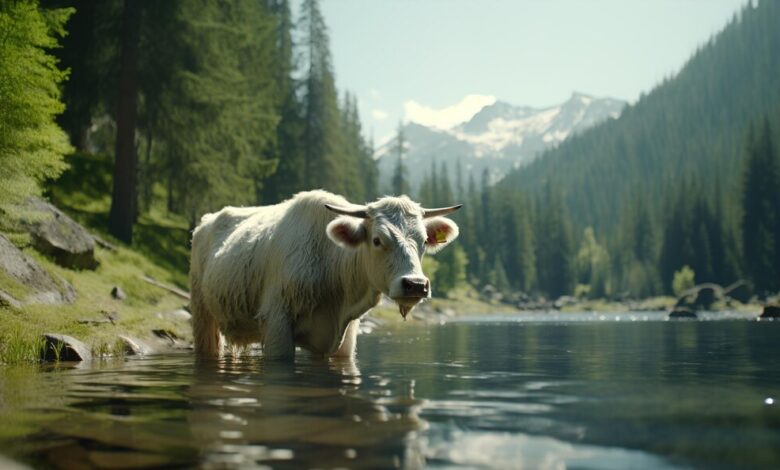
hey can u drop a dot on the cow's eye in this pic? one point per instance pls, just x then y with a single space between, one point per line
377 241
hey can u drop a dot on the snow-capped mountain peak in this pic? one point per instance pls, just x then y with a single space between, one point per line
499 137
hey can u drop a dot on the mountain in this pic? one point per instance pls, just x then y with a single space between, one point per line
687 134
499 137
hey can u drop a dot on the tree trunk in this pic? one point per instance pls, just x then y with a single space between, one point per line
123 199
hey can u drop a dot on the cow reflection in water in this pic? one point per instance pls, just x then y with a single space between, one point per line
313 414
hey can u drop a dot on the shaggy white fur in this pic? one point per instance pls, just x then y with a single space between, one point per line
271 274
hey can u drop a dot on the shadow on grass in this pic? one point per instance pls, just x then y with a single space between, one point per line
84 192
166 246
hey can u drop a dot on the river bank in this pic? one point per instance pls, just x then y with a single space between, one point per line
113 300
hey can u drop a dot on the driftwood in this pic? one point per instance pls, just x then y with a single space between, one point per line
172 289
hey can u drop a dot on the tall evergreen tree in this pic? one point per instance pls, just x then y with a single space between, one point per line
761 210
31 143
400 181
321 131
123 199
555 252
289 175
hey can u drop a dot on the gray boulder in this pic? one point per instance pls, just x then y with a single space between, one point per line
58 236
564 301
59 347
34 284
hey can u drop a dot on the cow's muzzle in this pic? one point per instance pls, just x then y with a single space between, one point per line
415 287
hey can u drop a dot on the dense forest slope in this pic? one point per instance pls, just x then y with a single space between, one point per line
691 127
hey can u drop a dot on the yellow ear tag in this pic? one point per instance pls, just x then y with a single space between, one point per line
441 236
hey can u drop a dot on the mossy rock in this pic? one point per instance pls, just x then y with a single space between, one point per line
24 280
56 235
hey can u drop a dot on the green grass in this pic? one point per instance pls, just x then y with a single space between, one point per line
20 330
160 250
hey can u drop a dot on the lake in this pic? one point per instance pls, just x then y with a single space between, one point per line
533 391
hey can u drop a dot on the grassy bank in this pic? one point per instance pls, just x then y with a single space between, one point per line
159 251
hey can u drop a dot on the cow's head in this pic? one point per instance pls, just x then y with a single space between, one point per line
394 233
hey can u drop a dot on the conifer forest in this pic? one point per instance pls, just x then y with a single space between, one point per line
172 109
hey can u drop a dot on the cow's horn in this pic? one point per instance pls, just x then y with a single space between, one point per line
440 211
359 213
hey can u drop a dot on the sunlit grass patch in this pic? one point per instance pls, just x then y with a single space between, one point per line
87 319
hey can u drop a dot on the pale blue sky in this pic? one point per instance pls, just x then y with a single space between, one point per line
402 57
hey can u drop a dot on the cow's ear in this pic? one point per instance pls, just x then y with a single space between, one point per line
440 232
348 232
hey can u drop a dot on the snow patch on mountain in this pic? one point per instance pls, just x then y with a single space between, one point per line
499 137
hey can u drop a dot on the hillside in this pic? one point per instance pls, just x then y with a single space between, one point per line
692 127
499 138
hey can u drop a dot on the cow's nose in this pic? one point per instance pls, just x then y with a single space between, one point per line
415 286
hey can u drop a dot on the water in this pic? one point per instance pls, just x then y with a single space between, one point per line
568 391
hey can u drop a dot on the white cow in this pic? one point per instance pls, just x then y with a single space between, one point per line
295 274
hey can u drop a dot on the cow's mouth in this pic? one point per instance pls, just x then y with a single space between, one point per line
406 304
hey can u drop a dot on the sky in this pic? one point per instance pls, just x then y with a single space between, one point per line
438 62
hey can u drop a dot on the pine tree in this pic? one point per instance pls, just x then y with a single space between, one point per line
123 199
444 196
31 143
321 131
220 108
761 211
289 175
554 262
400 181
517 244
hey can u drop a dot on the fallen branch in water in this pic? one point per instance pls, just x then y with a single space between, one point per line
172 289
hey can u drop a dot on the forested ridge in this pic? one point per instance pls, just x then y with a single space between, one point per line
673 182
181 107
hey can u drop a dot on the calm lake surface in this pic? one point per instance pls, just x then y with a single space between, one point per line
532 391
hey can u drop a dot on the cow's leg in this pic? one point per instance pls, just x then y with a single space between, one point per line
349 341
205 329
278 343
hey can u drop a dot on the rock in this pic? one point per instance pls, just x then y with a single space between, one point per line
135 346
741 290
682 312
58 236
117 293
770 311
176 315
36 285
701 297
564 301
70 349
